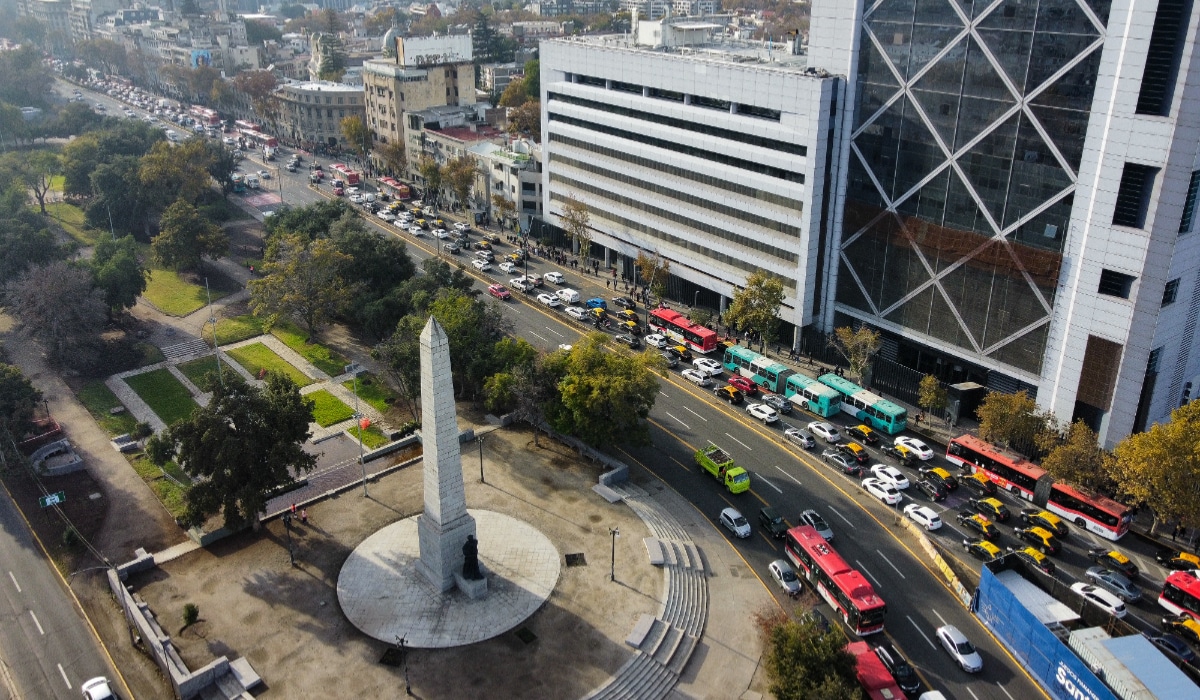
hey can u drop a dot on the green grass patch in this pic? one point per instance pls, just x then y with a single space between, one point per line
372 437
165 394
168 492
197 370
256 357
326 360
150 354
374 392
236 329
58 182
71 218
99 400
328 409
172 294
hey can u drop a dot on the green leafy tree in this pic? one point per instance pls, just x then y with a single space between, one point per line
245 443
857 346
755 307
18 401
303 281
34 169
57 305
119 273
12 124
802 662
311 222
1011 420
1077 457
222 163
23 245
85 154
259 33
654 271
1161 468
526 120
27 79
119 200
186 236
460 178
504 208
502 390
575 219
533 79
932 395
356 134
177 172
333 56
514 95
432 174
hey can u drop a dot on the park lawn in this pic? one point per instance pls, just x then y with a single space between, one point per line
256 357
236 329
372 437
173 295
196 370
71 218
326 360
99 399
169 493
374 392
58 182
165 394
329 409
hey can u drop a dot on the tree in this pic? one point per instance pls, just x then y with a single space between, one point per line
393 155
755 307
460 176
526 120
933 396
514 95
72 119
1077 457
177 172
333 55
431 173
302 281
857 347
533 79
1011 420
58 306
246 442
22 245
186 236
356 134
575 218
104 55
654 271
504 389
602 397
34 169
259 86
222 162
803 662
18 401
503 207
259 33
118 272
1161 467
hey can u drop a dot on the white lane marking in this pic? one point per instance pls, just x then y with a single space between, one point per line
921 632
64 676
39 625
781 471
693 412
889 562
939 616
768 483
839 514
663 395
740 442
560 335
680 422
14 580
972 692
535 335
1001 685
867 572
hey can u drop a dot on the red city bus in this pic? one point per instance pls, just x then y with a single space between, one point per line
872 675
1016 474
345 173
1181 594
258 140
205 116
844 588
678 327
396 189
1096 513
241 125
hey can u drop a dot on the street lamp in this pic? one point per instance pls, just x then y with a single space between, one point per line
403 641
479 440
612 570
354 368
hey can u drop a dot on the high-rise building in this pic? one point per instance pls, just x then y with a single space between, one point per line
1018 207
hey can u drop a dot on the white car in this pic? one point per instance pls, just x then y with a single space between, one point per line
655 340
481 265
353 189
417 231
960 649
368 197
882 490
267 175
735 522
355 198
549 300
1100 598
461 226
520 284
507 266
385 215
565 346
785 576
696 377
553 277
923 516
825 431
763 412
576 312
441 233
710 367
97 689
920 449
890 475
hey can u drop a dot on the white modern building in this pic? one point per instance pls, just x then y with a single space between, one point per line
714 154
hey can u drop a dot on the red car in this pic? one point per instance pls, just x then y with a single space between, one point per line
339 191
499 291
746 386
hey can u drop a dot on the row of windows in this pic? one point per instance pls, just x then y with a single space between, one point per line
685 244
697 100
329 100
722 158
698 177
689 199
1066 501
686 222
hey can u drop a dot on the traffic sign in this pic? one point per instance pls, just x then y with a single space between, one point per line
53 499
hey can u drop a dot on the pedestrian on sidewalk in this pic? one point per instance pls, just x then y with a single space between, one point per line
606 284
304 516
1175 532
293 509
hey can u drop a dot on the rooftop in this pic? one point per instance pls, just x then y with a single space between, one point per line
322 86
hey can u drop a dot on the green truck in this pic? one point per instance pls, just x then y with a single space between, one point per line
717 462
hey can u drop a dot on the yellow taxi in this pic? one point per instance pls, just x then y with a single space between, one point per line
940 476
1185 626
854 451
1039 537
598 313
1045 519
982 549
627 315
1178 561
978 523
864 433
1035 559
980 483
630 327
1112 559
990 507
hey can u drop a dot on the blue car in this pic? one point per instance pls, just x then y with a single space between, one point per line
596 303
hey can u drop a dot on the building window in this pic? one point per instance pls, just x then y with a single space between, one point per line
1133 195
1189 204
341 100
1115 284
1170 292
1153 361
1167 39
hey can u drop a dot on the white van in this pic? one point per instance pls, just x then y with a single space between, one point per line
568 296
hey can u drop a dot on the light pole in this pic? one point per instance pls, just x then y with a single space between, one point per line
353 368
612 570
480 441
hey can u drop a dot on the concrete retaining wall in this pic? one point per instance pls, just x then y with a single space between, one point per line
938 560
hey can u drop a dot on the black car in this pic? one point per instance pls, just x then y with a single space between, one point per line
681 352
452 248
772 522
671 360
900 669
818 620
864 434
630 340
1034 558
904 456
935 491
624 302
982 549
729 393
778 403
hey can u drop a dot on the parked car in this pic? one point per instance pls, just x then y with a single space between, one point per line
481 264
1045 519
624 302
934 490
1034 558
729 393
982 549
499 291
553 277
841 462
1177 560
549 300
630 340
655 340
671 360
960 649
744 385
763 412
900 453
577 312
891 475
710 367
863 433
882 490
735 522
1040 538
991 507
1185 626
694 376
978 523
1112 559
904 675
939 475
1173 646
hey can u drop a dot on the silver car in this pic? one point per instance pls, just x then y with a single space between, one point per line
1115 583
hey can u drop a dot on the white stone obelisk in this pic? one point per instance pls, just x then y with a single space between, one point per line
444 526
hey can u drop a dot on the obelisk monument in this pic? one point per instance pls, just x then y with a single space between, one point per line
443 528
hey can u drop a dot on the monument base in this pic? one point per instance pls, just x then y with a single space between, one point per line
473 588
441 549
